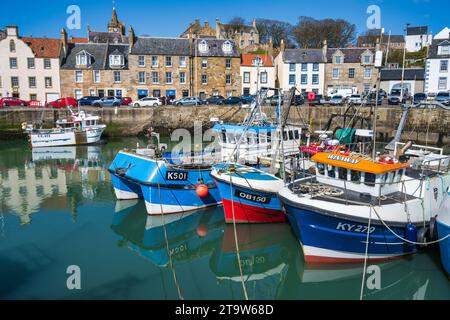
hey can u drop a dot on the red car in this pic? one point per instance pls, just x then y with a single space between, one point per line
62 103
126 101
9 101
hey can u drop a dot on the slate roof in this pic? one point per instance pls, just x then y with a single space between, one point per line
396 74
43 47
417 31
99 52
215 48
303 56
351 55
433 51
161 46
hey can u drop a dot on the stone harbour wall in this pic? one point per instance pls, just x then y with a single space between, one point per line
430 126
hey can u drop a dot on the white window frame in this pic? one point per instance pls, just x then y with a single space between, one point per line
336 73
155 73
204 77
47 63
442 83
182 77
264 76
141 61
140 73
183 62
228 79
246 77
115 73
228 63
204 63
13 65
79 72
368 73
169 76
155 62
95 74
168 62
116 60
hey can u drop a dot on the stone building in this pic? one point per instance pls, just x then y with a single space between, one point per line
29 67
350 68
94 69
373 37
216 68
160 67
437 66
243 35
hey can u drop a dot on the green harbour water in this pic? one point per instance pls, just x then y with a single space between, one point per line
58 209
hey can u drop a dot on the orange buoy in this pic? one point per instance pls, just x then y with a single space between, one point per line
202 231
202 190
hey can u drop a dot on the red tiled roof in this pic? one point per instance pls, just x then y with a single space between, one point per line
78 40
247 59
43 47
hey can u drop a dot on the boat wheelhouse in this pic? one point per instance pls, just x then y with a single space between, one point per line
250 144
356 208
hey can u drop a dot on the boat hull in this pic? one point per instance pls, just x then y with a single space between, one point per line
165 188
247 205
68 138
333 239
443 231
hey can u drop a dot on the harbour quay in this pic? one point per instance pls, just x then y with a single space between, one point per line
425 125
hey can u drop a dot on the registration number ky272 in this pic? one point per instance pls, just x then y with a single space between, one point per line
354 228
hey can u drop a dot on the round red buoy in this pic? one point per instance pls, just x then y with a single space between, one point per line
202 230
202 190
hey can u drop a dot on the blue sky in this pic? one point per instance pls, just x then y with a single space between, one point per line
170 18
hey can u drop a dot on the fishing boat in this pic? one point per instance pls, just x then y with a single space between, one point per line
167 184
80 129
249 195
355 207
443 230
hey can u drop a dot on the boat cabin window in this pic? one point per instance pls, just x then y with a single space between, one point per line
291 135
269 136
285 135
369 179
296 135
321 168
224 136
330 170
342 173
355 176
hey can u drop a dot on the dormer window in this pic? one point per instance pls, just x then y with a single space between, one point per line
116 60
338 59
203 46
367 59
444 49
84 59
257 61
227 47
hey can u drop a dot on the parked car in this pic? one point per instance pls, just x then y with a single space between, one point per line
215 100
107 102
371 99
126 101
188 101
247 99
298 100
147 102
88 100
355 99
444 98
431 96
419 98
232 101
10 101
337 100
62 103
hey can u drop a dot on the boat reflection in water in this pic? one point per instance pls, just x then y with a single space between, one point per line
180 237
54 178
402 279
266 253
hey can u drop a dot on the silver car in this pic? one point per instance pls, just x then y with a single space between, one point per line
107 102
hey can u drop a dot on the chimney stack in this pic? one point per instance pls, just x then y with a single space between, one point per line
64 42
325 50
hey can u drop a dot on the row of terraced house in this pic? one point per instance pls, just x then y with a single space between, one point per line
204 61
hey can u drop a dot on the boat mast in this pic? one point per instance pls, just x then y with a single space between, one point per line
378 65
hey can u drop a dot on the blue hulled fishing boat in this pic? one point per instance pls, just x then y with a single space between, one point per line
443 229
167 184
